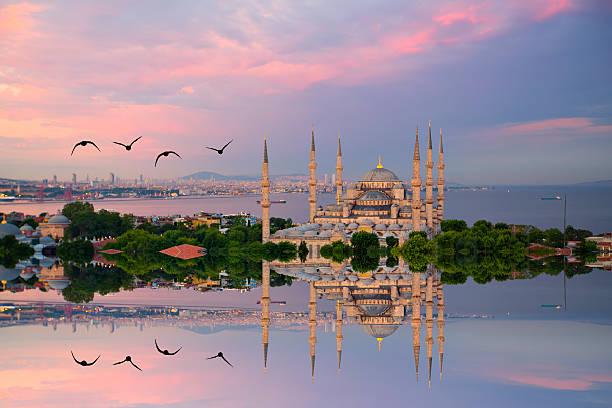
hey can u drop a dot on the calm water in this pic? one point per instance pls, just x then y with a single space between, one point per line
501 347
587 208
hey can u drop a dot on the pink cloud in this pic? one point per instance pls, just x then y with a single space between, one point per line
187 90
570 381
557 125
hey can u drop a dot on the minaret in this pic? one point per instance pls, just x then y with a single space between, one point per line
265 309
429 324
429 182
440 196
339 333
416 320
339 173
416 186
312 322
312 183
265 196
440 324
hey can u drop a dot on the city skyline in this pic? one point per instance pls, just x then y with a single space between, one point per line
519 89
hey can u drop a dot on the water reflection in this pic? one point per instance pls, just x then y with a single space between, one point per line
379 302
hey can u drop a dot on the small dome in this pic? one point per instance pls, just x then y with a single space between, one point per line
310 233
380 276
373 195
379 330
9 229
380 174
380 227
394 227
26 274
340 226
59 219
367 222
353 225
373 310
406 227
26 228
327 226
59 284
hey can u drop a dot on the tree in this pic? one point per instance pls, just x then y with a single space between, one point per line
453 225
79 251
554 237
303 251
12 251
77 206
365 248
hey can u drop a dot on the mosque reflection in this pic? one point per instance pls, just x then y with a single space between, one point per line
379 302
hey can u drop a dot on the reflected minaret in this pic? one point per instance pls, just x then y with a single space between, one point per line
416 186
339 173
312 183
265 309
429 182
429 325
312 322
416 319
265 196
440 196
339 333
440 324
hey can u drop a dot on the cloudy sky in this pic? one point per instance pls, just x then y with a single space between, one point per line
521 89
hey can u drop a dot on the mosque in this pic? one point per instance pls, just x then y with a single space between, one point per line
379 302
379 202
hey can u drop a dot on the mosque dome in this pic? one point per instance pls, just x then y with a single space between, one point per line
380 174
9 229
373 195
8 274
26 274
379 330
26 228
59 284
59 219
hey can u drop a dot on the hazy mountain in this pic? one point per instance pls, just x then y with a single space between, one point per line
206 175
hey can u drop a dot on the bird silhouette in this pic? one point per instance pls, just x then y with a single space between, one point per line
220 354
83 362
128 147
84 143
165 154
220 151
166 352
128 358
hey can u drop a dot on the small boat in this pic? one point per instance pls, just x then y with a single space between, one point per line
551 198
551 306
6 198
274 202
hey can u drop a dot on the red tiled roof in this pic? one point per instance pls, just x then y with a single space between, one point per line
110 251
184 251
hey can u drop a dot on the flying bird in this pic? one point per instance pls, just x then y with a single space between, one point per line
220 151
84 363
220 354
128 358
84 143
166 352
128 147
165 154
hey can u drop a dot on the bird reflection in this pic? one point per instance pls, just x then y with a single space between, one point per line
128 358
220 354
166 352
83 362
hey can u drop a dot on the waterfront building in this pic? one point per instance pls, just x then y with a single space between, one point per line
55 227
380 202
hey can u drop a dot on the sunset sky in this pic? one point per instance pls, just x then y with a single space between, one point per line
521 89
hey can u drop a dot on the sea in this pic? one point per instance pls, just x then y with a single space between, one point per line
587 207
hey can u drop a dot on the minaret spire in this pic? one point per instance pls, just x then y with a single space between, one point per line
416 186
339 173
429 322
429 183
312 322
416 319
265 309
440 195
440 324
312 183
265 196
339 333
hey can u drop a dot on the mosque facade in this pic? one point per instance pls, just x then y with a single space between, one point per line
380 202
